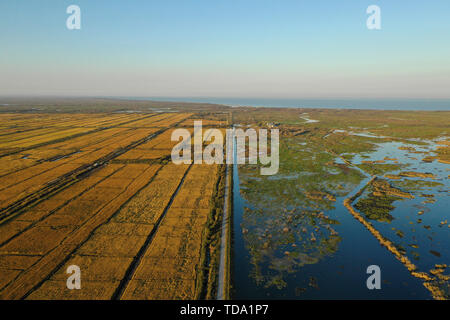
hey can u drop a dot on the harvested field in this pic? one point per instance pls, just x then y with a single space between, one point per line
73 193
179 240
205 123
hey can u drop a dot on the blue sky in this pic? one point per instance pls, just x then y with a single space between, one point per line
233 48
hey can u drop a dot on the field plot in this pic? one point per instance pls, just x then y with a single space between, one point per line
170 267
161 147
118 240
157 148
205 123
161 120
69 196
176 231
53 229
28 171
19 184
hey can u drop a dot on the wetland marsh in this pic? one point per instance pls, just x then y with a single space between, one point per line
294 236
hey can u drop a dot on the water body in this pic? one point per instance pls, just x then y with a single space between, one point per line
378 104
417 224
342 274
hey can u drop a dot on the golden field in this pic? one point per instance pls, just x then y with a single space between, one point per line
99 191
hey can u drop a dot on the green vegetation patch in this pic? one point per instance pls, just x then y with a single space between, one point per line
377 208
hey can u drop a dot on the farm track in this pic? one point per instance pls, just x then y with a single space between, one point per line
68 178
224 241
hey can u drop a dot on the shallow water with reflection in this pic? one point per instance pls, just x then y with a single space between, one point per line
292 241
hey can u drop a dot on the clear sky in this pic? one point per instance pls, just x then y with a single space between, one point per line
226 48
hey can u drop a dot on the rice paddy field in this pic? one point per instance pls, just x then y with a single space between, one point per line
98 191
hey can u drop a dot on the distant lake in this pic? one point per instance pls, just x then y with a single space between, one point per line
378 104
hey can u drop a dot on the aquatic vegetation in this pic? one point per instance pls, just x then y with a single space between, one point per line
379 168
378 202
413 174
330 158
415 185
282 243
443 151
377 208
383 188
284 224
